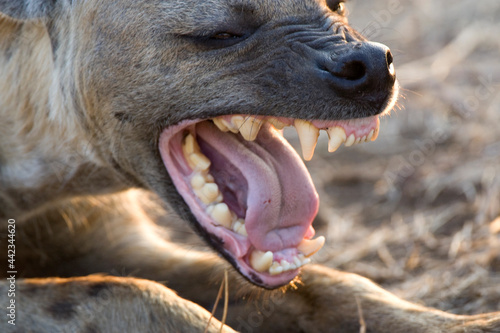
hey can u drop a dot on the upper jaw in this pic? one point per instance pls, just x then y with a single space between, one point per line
266 264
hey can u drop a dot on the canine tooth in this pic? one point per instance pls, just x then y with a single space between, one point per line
276 123
261 261
375 132
337 137
197 181
275 269
230 126
308 136
222 215
350 140
370 135
220 124
310 246
250 128
200 161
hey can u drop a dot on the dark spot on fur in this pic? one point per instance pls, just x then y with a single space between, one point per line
62 310
91 328
122 117
98 288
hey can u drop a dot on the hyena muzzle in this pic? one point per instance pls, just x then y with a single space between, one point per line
184 99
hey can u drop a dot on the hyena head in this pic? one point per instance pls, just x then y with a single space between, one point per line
187 98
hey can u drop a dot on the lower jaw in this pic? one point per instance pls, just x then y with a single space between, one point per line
224 226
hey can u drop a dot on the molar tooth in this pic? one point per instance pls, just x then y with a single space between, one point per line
199 161
308 136
230 126
275 269
337 137
305 261
285 264
190 145
208 193
350 140
261 261
276 123
297 261
220 124
239 227
250 128
197 181
310 246
222 215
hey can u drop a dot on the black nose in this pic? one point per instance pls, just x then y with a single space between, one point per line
365 70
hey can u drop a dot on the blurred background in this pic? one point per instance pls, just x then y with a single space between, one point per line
418 210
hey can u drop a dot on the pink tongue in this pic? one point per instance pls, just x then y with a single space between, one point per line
281 198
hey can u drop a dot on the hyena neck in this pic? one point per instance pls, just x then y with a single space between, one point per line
43 139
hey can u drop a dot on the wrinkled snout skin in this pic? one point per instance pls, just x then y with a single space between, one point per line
166 61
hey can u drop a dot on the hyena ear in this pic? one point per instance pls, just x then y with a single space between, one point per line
27 9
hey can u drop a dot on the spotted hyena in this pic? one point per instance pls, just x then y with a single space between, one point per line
112 111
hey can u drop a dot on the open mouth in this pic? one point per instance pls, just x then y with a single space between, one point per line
249 190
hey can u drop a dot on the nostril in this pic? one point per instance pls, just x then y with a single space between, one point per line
390 64
352 70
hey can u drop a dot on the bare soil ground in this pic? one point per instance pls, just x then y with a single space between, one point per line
418 210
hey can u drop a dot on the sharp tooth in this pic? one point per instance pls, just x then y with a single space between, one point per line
350 140
370 135
197 181
308 136
250 128
305 261
190 145
222 215
220 124
276 123
237 121
358 140
208 193
230 126
199 161
337 137
261 261
375 133
310 246
363 139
